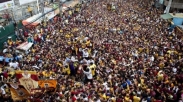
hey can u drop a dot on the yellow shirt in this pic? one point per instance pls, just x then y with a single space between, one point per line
160 76
101 63
77 9
33 50
161 65
93 67
70 12
67 70
67 36
29 9
69 43
76 49
47 74
10 42
83 45
75 64
104 96
59 64
61 31
89 51
114 61
88 43
140 50
11 73
136 99
142 81
127 99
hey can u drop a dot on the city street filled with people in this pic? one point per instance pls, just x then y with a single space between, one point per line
99 51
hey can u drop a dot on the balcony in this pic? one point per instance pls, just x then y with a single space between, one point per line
174 4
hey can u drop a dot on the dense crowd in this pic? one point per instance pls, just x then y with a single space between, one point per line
124 53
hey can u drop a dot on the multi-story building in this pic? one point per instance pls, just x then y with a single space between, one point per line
175 4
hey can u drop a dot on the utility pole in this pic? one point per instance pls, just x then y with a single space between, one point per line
38 6
42 8
60 7
12 11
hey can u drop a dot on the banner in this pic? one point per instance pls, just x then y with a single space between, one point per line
31 74
49 15
28 83
33 20
22 2
18 92
47 83
25 46
6 5
36 93
36 90
28 79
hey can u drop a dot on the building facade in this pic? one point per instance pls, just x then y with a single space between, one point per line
175 4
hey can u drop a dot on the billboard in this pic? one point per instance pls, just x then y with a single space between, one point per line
5 4
22 2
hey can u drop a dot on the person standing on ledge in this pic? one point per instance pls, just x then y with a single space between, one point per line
29 9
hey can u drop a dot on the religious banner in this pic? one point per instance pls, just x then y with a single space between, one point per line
47 83
28 79
38 92
31 74
18 92
28 83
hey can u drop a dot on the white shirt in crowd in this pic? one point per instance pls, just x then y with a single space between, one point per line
143 100
88 74
90 61
13 65
95 52
85 53
73 59
152 58
3 90
106 86
98 100
174 70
